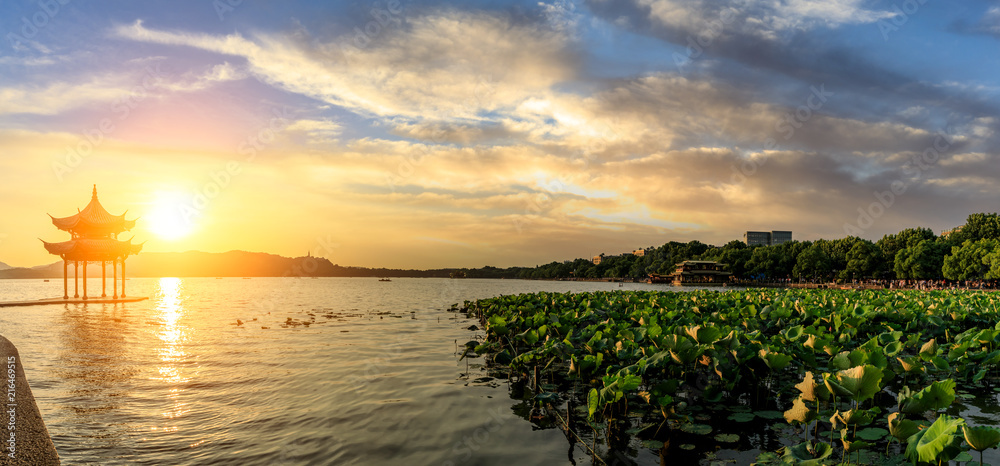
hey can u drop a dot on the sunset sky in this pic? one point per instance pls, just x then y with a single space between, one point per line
433 134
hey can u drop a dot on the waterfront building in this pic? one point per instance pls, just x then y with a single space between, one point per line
695 273
778 237
947 233
766 238
757 238
94 238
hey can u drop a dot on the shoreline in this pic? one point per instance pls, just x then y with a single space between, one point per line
30 442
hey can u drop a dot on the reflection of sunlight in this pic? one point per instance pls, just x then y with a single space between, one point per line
172 352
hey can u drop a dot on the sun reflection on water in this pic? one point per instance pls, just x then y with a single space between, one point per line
173 336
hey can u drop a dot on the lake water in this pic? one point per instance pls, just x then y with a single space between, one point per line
375 378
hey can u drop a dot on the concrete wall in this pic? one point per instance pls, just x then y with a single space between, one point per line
30 443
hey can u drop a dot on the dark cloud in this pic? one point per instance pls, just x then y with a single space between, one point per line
801 53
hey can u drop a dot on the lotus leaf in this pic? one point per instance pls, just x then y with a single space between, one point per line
812 390
851 446
808 453
937 442
775 361
728 438
799 412
793 333
938 395
770 414
929 349
741 417
981 438
901 428
911 364
703 335
851 417
872 433
862 381
699 429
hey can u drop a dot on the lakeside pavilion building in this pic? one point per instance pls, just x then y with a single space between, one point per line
94 234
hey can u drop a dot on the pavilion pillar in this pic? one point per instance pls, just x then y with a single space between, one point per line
84 280
123 278
76 279
114 270
104 270
65 279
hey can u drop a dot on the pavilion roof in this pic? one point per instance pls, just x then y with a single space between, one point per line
93 249
94 220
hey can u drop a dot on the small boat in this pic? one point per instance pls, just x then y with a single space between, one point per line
45 281
384 280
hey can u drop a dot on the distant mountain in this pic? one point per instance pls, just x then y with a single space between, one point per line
227 264
4 266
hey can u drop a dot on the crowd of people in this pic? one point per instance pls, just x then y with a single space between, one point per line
873 284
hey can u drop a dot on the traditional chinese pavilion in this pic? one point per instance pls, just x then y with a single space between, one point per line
696 273
94 239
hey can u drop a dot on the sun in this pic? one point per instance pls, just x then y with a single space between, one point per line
167 219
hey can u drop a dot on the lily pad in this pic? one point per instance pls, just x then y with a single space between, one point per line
654 444
741 417
728 438
698 429
872 433
808 453
770 414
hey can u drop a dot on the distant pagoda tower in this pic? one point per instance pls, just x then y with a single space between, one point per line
94 238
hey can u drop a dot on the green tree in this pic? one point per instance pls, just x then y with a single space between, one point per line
979 226
813 262
891 245
864 260
921 262
970 260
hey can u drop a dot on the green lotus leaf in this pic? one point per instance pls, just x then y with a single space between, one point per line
940 364
686 356
872 433
770 414
703 335
938 395
892 349
878 360
889 337
741 417
901 428
981 438
654 444
728 438
929 349
862 381
593 402
799 412
911 364
851 417
793 333
851 446
834 387
775 361
699 429
937 443
808 453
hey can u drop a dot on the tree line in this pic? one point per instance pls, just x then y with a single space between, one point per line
971 253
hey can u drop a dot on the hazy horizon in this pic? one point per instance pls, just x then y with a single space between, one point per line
423 135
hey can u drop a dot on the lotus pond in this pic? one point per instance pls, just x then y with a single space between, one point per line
764 376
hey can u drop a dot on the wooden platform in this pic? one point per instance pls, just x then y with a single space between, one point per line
40 302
